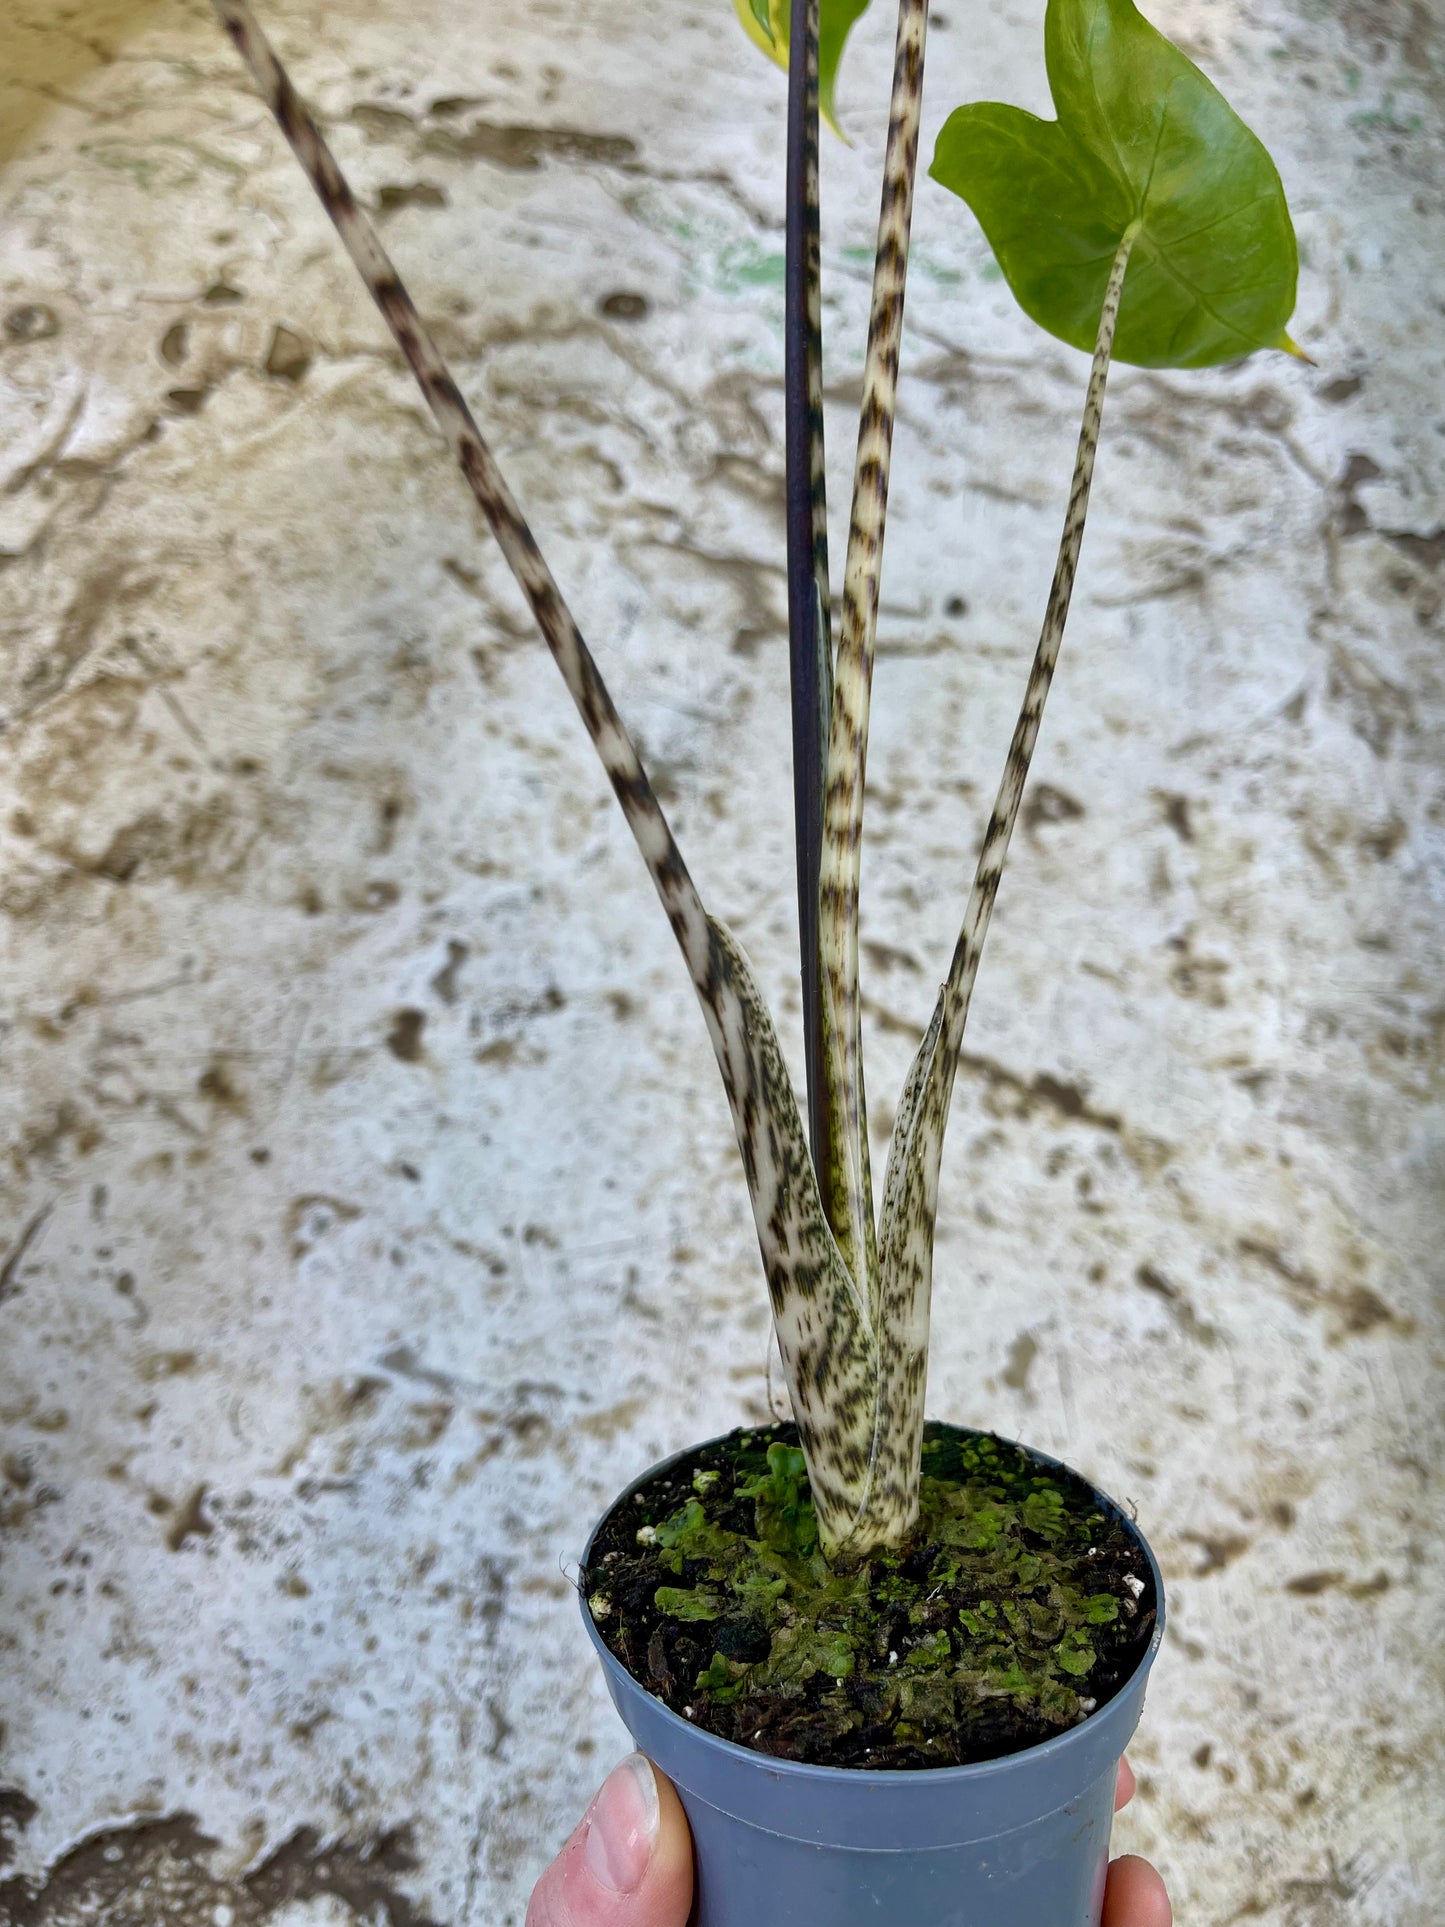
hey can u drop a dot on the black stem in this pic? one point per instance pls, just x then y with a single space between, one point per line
809 644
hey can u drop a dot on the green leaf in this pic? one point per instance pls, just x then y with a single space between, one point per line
1043 1621
1043 1512
810 1650
1141 136
1010 1680
786 1521
693 1534
681 1602
836 22
977 1530
721 1679
758 1590
1075 1655
933 1651
836 1657
767 23
1027 1569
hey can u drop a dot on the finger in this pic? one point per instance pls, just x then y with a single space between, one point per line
629 1863
1135 1896
1124 1785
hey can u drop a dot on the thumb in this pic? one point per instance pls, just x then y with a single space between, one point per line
629 1863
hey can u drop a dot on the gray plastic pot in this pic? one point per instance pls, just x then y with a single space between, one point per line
1016 1842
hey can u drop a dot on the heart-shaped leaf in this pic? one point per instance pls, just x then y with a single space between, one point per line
767 22
1141 137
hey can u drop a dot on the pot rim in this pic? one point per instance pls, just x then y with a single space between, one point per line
939 1776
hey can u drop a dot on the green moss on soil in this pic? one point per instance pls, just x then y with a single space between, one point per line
1021 1606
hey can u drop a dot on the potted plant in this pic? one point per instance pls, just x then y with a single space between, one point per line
890 1666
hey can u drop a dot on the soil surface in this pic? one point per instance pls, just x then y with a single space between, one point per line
1022 1606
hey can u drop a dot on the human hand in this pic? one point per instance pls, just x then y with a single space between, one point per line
629 1863
1134 1895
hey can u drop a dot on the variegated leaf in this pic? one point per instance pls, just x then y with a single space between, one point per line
905 1264
828 1352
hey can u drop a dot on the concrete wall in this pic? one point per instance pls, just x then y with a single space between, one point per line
370 1210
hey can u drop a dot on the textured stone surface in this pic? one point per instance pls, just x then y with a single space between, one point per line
370 1212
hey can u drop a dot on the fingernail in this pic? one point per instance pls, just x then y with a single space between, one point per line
624 1825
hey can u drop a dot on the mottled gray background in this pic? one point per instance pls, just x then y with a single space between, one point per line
370 1208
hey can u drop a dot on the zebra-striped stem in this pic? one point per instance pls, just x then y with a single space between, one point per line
964 967
850 1204
822 1320
910 1187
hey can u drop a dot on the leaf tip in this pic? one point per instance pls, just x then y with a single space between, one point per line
828 108
1292 347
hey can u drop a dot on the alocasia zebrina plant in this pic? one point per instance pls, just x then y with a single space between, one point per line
1146 222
